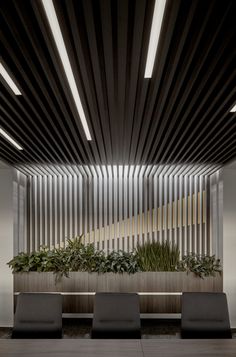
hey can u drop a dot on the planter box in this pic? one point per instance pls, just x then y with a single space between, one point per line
144 282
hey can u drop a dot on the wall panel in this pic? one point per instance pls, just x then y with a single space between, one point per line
118 207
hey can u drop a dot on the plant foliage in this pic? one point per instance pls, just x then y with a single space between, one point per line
158 257
76 256
200 265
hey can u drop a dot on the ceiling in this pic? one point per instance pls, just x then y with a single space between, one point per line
180 115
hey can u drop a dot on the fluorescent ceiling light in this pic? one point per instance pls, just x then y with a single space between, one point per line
13 142
157 19
233 110
56 31
9 81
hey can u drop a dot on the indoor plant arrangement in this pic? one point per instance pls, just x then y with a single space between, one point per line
149 269
149 257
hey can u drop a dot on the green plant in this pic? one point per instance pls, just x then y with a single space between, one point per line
74 257
20 263
201 265
77 256
119 262
157 256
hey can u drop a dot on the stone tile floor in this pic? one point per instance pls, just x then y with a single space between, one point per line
151 328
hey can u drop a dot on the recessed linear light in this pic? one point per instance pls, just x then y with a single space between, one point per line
57 34
157 19
12 141
9 81
233 110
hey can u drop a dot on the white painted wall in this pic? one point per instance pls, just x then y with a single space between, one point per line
229 238
6 245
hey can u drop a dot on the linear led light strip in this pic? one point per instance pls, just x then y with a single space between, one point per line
56 31
8 79
157 19
233 110
13 142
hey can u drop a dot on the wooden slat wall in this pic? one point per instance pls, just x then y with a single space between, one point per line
20 212
116 207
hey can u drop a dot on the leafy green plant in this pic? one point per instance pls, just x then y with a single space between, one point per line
201 265
20 263
74 257
157 257
119 262
77 256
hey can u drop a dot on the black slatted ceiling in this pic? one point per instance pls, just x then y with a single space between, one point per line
180 115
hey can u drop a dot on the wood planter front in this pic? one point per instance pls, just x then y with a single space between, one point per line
144 282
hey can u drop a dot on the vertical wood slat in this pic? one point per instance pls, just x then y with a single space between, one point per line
200 238
120 231
125 208
105 213
180 215
176 208
196 243
186 241
130 211
165 222
74 205
60 212
115 205
206 229
155 206
110 213
160 178
170 209
80 203
70 208
135 193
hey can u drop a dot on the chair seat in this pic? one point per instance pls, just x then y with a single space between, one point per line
205 315
116 315
38 316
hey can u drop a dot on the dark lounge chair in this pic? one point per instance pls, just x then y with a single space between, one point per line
116 315
38 316
205 315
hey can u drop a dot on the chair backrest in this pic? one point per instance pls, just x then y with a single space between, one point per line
38 306
205 306
117 306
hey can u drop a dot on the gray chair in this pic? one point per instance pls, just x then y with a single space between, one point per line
205 315
38 315
116 315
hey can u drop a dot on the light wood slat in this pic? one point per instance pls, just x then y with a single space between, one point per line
103 206
196 243
155 221
125 208
130 211
160 219
80 200
201 215
110 210
75 205
135 209
115 206
180 214
185 213
121 211
176 209
61 238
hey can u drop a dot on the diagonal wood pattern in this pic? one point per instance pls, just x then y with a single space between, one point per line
116 207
